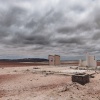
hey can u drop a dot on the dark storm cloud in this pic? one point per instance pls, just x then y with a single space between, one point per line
96 36
71 40
65 29
79 28
3 33
24 40
14 16
49 25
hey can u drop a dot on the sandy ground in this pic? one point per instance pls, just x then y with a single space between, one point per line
28 83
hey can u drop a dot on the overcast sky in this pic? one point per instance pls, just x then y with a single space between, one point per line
37 28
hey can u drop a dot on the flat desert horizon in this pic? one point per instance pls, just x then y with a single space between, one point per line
36 81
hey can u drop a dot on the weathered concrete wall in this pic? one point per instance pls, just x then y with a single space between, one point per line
57 60
90 62
54 59
82 63
51 60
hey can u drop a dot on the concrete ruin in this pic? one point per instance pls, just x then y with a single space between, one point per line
81 78
90 62
54 59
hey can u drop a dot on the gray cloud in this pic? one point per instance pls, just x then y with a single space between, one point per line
96 36
21 40
39 27
72 40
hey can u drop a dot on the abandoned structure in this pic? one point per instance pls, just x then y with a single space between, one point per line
54 59
90 62
81 78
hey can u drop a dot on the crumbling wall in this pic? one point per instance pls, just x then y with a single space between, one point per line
82 63
54 60
90 62
57 60
51 60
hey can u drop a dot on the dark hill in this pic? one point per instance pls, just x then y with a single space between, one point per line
25 60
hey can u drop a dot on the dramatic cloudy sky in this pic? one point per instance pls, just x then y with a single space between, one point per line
37 28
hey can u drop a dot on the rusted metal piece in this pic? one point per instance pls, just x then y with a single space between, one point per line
81 78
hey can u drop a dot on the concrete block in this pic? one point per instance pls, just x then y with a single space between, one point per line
81 78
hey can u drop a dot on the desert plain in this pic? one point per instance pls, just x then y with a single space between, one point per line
43 82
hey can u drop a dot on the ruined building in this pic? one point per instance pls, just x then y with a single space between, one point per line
54 59
89 62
